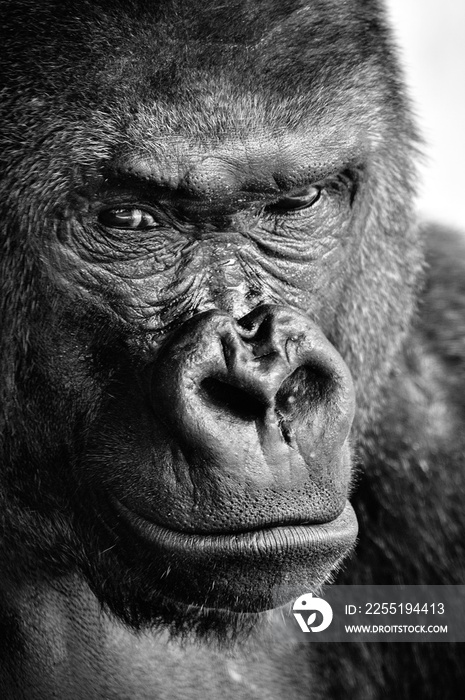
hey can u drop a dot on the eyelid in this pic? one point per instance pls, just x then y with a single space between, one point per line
283 206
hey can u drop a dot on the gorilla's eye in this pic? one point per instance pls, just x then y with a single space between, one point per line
301 199
127 218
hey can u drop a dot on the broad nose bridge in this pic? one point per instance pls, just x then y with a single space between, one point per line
230 283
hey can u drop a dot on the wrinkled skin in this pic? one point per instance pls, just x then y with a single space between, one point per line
210 273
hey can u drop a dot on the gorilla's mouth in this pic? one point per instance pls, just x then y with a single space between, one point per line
277 539
247 571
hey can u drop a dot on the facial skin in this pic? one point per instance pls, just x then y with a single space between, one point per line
210 251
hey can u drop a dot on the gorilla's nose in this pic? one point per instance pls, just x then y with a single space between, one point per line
265 400
259 377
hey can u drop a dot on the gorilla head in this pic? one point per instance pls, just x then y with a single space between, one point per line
207 261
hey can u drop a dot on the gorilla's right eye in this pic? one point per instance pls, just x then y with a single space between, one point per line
127 218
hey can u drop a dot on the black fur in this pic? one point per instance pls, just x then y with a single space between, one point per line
86 84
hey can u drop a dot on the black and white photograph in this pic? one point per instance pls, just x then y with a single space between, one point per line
232 350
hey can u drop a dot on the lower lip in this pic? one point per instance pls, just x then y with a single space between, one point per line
340 532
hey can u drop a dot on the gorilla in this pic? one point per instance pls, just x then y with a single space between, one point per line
220 322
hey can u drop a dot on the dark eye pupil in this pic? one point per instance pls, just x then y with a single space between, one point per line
297 200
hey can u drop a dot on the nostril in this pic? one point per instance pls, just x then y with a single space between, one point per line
300 395
306 388
286 432
232 399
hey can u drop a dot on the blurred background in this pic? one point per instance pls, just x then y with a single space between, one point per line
431 35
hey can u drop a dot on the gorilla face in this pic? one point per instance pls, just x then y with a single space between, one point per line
208 260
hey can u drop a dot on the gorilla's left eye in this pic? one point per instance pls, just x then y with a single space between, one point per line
301 199
128 218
